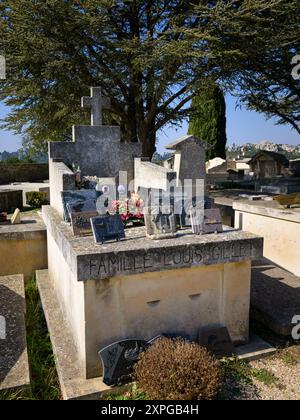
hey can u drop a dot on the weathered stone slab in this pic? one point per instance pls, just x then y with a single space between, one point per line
138 254
275 296
14 368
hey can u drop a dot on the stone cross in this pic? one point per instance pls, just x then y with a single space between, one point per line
97 103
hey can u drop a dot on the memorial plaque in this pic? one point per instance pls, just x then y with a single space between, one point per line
118 360
160 222
206 221
107 227
82 206
75 197
81 222
217 341
212 221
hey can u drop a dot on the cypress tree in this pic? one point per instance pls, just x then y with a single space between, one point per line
208 119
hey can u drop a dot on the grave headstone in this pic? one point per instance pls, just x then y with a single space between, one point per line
118 360
217 341
160 222
107 228
197 219
75 197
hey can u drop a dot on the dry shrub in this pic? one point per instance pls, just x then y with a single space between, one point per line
178 370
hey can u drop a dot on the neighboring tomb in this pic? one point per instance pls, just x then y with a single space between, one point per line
14 367
23 247
279 227
267 164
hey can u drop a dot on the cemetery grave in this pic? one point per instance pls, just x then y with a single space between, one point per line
113 284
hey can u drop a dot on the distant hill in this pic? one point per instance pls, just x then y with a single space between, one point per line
4 156
248 150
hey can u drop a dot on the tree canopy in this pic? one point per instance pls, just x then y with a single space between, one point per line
149 57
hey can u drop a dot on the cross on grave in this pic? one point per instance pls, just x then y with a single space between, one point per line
97 103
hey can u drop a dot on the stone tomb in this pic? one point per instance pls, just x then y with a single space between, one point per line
137 288
140 288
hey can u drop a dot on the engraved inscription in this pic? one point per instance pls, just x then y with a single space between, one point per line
109 265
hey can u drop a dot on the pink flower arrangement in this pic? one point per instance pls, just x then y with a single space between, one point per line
130 209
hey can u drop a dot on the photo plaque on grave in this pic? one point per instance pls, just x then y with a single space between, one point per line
107 227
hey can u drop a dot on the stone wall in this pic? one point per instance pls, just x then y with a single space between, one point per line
25 172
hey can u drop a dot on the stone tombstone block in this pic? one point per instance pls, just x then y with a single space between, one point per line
77 197
107 227
118 360
16 217
160 222
217 341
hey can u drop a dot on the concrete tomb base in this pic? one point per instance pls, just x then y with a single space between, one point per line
139 288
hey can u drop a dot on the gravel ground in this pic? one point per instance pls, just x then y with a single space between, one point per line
276 378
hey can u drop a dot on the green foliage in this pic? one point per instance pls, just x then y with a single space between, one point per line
149 57
242 371
208 120
36 199
178 370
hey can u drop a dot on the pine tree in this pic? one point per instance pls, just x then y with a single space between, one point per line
208 119
149 57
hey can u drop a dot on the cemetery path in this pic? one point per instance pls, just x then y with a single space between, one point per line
275 378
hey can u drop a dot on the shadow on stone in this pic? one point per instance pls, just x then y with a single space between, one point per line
12 308
275 296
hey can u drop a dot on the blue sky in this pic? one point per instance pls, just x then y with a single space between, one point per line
242 126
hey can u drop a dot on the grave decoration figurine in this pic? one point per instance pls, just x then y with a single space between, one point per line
206 221
160 222
107 227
